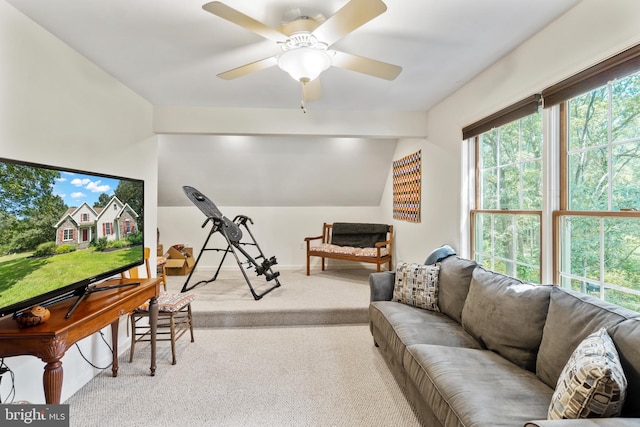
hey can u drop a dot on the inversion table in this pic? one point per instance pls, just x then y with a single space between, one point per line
233 235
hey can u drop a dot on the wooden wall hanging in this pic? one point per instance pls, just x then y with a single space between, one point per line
407 180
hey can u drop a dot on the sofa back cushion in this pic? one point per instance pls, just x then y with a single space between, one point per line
454 279
626 337
572 316
506 315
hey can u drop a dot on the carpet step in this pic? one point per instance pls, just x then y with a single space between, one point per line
230 319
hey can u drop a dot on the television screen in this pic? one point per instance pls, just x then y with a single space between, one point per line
62 230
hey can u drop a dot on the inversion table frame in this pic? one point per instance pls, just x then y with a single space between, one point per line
232 234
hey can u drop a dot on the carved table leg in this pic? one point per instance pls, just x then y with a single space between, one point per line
51 351
52 380
114 344
153 323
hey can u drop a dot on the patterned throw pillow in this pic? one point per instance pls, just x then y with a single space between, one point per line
417 285
592 383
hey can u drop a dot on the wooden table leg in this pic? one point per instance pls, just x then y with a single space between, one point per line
52 381
51 351
114 344
153 323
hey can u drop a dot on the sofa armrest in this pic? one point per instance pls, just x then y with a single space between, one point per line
381 285
590 422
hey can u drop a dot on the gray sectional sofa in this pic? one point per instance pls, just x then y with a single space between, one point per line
493 353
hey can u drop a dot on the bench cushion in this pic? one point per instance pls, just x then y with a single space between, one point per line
359 235
328 248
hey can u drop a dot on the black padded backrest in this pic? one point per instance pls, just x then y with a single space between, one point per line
358 235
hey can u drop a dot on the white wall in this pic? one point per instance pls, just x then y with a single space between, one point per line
58 108
280 231
590 32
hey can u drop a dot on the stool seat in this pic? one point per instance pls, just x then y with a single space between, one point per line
168 302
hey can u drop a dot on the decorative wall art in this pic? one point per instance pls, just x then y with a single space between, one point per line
407 179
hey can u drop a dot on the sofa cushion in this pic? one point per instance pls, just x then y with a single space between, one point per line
454 279
592 384
417 285
506 315
470 387
626 336
572 316
401 325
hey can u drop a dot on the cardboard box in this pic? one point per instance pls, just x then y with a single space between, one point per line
179 262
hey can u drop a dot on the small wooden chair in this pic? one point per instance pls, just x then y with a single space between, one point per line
174 315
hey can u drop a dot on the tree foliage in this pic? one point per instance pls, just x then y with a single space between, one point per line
131 193
603 174
28 207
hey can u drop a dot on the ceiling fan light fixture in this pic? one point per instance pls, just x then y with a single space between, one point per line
304 63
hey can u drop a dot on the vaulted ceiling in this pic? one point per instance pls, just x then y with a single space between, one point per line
170 51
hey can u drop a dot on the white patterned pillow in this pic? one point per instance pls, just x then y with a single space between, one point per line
417 285
592 383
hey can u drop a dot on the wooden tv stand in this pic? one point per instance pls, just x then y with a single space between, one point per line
50 340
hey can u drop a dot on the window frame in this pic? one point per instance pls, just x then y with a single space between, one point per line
510 114
556 161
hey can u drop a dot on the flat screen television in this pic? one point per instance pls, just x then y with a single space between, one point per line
62 230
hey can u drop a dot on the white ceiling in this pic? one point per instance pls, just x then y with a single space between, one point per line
169 52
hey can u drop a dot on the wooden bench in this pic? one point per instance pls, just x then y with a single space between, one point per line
360 242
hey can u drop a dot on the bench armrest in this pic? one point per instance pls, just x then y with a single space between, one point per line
383 244
381 285
308 239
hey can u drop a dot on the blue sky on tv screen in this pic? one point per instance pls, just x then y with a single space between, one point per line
77 188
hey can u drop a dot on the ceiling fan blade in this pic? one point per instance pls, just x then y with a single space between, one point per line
249 68
352 15
364 65
312 91
239 18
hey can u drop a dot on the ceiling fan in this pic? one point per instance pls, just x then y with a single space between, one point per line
305 43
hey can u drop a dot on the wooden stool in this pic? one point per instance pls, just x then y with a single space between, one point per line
174 319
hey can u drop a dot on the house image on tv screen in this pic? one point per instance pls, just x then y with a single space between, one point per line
79 226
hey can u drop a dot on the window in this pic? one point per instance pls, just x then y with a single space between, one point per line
593 166
599 227
506 224
67 234
127 226
108 228
85 217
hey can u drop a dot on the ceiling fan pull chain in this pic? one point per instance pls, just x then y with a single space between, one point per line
304 110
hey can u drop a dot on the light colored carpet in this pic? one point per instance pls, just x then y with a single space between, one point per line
337 296
293 376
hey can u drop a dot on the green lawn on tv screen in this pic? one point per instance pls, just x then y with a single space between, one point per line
22 277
